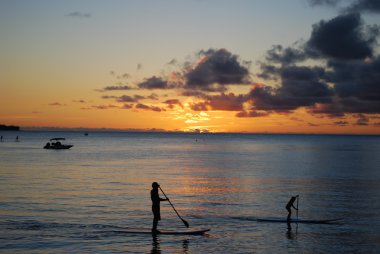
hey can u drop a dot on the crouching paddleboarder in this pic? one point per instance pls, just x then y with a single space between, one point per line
290 205
156 205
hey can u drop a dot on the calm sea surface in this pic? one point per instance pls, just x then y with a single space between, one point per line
70 201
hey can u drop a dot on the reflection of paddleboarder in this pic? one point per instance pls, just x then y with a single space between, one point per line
156 205
290 205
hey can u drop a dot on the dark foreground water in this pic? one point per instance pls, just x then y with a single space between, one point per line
70 201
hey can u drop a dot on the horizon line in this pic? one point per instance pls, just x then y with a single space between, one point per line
155 130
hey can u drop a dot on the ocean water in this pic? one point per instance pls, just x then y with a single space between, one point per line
72 201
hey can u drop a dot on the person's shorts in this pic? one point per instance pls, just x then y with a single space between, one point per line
156 213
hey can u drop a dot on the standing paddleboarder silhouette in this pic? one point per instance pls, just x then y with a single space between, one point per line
155 197
290 205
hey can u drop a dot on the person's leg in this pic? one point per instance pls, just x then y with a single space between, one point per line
289 213
155 223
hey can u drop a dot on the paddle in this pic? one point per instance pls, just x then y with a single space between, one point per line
298 197
184 222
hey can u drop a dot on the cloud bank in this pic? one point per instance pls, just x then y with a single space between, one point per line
333 73
345 81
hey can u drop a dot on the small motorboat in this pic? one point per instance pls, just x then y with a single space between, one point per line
55 143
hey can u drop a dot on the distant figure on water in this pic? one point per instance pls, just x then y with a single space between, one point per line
17 139
1 138
156 205
290 205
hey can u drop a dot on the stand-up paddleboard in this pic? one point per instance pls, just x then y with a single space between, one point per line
161 232
284 220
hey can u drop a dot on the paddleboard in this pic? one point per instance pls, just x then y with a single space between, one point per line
162 232
282 220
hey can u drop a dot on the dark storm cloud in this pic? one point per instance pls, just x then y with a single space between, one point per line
343 37
117 88
371 6
124 98
301 73
285 56
212 72
155 83
194 93
102 107
173 102
342 106
300 86
200 106
127 106
323 2
109 106
253 113
333 109
354 105
347 81
216 69
146 107
269 99
356 87
359 79
225 102
268 71
153 96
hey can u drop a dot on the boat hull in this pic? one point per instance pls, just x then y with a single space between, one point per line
60 147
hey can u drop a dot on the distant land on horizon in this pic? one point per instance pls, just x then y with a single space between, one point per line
9 127
84 129
155 130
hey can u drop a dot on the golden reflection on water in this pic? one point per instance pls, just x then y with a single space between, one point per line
120 187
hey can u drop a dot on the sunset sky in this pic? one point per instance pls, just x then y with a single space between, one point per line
298 66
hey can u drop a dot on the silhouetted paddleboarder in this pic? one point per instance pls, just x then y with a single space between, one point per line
290 205
156 205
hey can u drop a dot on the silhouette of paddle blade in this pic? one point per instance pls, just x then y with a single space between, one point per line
185 222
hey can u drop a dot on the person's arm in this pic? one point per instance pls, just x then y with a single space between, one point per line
297 201
164 199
